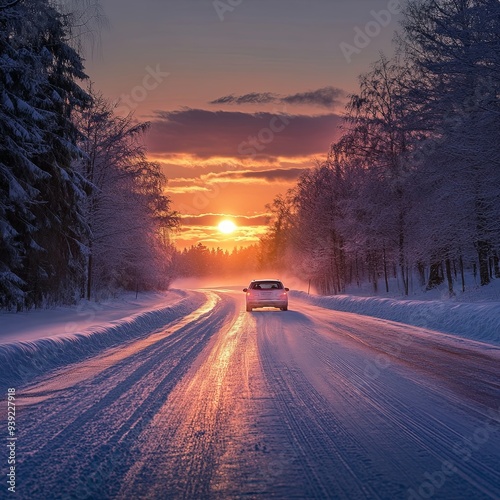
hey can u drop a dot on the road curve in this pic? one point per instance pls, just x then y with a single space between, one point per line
308 403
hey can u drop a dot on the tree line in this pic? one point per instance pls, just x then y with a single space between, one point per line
201 261
82 210
412 188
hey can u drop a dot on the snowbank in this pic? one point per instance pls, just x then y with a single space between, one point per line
86 315
23 360
476 321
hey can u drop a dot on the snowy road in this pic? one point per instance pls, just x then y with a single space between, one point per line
309 403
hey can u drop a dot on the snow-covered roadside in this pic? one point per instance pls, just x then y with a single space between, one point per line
62 320
476 321
23 359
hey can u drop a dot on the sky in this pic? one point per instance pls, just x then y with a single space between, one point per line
242 95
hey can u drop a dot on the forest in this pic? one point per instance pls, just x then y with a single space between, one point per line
82 210
412 188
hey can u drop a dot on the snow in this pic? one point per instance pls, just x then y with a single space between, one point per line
476 321
87 315
473 291
38 341
300 404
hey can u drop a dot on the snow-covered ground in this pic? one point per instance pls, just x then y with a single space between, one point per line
86 316
477 321
208 401
35 342
473 291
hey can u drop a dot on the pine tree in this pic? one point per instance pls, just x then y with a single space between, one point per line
42 228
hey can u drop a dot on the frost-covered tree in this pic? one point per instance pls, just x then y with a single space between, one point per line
456 45
84 19
41 225
317 239
380 139
127 212
277 241
413 184
199 261
9 5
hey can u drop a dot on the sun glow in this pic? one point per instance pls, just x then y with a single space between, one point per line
227 226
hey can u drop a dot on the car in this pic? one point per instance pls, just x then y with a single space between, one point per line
266 293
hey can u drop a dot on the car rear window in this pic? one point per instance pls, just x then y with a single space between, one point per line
266 285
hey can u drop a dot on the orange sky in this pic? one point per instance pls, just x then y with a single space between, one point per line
239 103
242 166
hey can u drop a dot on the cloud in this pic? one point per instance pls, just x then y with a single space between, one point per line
267 175
212 220
272 175
207 134
205 182
184 188
326 97
252 98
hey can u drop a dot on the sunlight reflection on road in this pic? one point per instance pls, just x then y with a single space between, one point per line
87 369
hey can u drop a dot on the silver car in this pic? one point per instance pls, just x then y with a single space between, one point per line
266 293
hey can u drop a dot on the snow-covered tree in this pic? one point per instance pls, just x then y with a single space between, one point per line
276 242
413 184
380 137
41 225
317 238
127 211
455 44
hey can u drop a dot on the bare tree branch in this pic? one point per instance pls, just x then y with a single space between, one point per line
9 5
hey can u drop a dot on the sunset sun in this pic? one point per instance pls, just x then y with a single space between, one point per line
227 227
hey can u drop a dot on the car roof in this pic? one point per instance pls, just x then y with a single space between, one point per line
267 279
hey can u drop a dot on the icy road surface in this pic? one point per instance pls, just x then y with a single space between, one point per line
309 403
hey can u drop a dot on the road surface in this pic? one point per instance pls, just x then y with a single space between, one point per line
309 403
